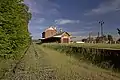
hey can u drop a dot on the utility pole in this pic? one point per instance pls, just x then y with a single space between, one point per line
89 37
98 34
90 34
101 25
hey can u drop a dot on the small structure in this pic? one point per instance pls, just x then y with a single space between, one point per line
80 42
50 35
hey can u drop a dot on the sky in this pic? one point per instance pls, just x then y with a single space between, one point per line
78 17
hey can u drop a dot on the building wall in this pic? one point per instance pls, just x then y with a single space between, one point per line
50 33
65 38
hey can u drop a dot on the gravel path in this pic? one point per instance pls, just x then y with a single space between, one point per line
46 64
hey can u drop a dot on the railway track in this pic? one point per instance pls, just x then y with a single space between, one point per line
40 63
13 70
31 66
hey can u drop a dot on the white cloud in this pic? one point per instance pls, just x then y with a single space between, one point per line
106 7
66 21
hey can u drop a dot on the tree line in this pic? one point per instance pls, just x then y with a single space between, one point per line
14 19
102 39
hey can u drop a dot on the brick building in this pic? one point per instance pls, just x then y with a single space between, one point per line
52 35
49 32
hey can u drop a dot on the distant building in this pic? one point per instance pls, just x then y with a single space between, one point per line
51 35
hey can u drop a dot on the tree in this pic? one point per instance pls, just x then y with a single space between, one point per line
118 41
118 31
110 38
101 39
84 40
104 38
14 19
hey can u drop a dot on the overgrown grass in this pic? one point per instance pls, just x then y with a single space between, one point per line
71 65
98 45
103 55
8 61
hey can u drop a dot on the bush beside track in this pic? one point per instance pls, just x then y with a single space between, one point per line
105 57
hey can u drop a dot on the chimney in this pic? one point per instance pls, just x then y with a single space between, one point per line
55 28
61 30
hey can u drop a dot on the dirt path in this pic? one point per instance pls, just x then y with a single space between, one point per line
46 64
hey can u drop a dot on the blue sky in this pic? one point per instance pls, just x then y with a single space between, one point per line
79 17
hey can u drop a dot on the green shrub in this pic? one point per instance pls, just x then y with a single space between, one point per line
105 58
14 19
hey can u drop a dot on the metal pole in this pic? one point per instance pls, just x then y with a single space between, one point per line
101 25
101 29
98 34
